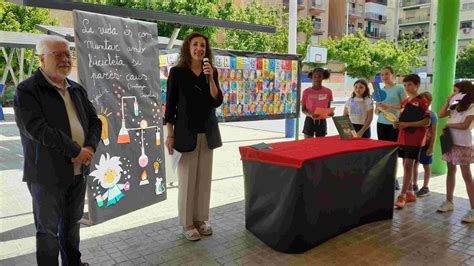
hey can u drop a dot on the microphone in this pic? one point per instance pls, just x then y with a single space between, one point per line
206 61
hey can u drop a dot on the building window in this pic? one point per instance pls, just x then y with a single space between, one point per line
468 6
466 24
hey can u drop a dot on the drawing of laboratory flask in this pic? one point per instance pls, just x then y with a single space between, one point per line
123 137
143 160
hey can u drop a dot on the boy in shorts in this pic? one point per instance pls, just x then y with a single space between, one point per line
411 141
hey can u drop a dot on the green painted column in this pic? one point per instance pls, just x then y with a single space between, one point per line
447 26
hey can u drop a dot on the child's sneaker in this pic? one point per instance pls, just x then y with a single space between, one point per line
410 197
446 207
468 217
423 192
401 201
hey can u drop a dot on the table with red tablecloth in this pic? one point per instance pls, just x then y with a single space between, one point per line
298 194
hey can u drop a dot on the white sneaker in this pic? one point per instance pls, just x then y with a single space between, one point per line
468 217
446 207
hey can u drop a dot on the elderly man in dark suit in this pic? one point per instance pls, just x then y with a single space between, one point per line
59 131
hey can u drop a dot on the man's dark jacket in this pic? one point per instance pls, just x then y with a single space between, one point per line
41 116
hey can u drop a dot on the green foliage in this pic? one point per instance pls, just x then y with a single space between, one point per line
365 59
465 63
234 39
266 42
21 19
202 8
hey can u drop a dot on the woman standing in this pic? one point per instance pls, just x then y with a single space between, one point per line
192 95
395 95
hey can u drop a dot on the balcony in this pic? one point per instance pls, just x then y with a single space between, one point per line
376 17
318 27
421 19
414 35
412 3
376 34
381 2
316 7
356 13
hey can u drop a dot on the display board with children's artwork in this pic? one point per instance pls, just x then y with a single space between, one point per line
255 86
117 61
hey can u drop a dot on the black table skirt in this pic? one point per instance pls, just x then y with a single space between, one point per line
293 210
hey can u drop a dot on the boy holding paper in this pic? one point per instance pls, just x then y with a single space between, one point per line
314 97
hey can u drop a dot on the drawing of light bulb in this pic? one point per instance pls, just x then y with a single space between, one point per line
156 166
123 137
105 130
143 160
135 107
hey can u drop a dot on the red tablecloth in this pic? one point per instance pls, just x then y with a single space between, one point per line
295 153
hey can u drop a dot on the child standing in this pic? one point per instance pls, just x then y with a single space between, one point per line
395 95
316 96
460 123
411 141
426 153
360 109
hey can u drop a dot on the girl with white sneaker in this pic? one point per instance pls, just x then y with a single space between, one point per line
460 109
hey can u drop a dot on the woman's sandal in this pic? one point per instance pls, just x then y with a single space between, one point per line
204 228
191 234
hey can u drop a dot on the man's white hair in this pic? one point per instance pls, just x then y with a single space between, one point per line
42 45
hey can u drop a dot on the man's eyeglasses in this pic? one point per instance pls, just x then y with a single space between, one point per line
59 55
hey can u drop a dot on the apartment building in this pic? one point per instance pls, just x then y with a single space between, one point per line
349 16
418 18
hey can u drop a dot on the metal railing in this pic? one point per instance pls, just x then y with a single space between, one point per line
379 34
376 16
414 19
405 3
414 35
357 12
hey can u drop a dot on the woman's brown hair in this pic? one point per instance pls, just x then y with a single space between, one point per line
467 88
184 59
389 68
366 85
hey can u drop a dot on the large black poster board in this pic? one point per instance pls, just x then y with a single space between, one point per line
118 65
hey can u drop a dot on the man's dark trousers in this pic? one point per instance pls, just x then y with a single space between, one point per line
57 211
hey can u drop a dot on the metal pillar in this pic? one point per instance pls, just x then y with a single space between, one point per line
292 22
447 25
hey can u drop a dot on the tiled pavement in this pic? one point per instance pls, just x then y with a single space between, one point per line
417 235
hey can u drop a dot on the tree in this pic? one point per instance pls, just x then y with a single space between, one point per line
203 8
465 63
21 19
266 42
365 59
